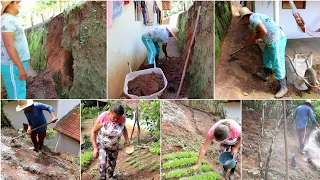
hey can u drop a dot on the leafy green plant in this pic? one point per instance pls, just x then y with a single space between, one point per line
206 176
180 163
142 167
183 172
154 167
137 164
179 155
87 141
155 149
143 153
50 133
86 158
150 117
129 159
132 162
148 155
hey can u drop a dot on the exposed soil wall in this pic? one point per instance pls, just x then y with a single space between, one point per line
72 46
200 68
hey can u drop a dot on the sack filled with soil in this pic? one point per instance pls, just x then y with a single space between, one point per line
147 84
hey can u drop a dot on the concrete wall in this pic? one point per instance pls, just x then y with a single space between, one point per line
233 110
311 16
65 144
124 45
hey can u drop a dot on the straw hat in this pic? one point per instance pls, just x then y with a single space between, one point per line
129 149
244 11
4 5
309 101
24 104
174 31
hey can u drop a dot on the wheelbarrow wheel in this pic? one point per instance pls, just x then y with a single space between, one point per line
311 76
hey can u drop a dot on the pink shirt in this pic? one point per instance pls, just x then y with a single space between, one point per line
104 118
235 129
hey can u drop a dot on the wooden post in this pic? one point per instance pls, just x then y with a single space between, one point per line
285 139
138 124
135 121
188 55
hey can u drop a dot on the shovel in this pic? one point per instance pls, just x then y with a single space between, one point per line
233 58
13 139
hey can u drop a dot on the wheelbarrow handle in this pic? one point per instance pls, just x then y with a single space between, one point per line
34 129
129 67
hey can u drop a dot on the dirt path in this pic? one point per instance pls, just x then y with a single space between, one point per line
239 76
24 163
303 171
184 129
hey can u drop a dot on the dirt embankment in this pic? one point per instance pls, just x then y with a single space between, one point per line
250 132
200 67
185 129
70 50
21 162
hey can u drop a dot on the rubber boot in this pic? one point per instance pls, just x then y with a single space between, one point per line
224 171
232 173
283 88
151 66
264 74
157 60
301 149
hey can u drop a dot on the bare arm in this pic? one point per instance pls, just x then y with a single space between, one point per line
125 135
8 40
236 146
202 152
262 31
96 128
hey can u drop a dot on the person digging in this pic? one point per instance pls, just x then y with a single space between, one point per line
302 115
228 133
14 51
151 39
263 27
36 118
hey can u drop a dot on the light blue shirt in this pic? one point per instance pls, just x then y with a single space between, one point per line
274 33
302 115
157 34
9 23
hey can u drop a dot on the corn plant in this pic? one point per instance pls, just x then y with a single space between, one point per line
179 155
154 167
180 163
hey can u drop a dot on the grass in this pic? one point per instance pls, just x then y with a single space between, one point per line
154 167
206 176
86 158
180 163
183 172
179 155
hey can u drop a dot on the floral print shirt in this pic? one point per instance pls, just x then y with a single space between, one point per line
157 34
109 135
9 23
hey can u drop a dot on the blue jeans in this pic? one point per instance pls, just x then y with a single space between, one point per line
153 49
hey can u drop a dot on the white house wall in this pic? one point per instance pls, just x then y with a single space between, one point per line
65 144
65 106
233 110
311 16
124 45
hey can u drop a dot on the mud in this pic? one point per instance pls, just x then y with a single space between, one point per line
24 163
41 86
250 134
144 85
185 129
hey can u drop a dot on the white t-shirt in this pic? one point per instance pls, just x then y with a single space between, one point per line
157 34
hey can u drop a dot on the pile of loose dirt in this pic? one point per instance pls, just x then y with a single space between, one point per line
41 86
147 84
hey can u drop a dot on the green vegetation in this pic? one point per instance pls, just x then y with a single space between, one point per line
86 158
179 155
50 133
132 162
180 163
129 159
137 164
183 172
206 176
37 41
154 167
155 149
142 167
182 35
60 88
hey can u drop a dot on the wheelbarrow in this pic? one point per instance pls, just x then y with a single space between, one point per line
299 71
135 74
